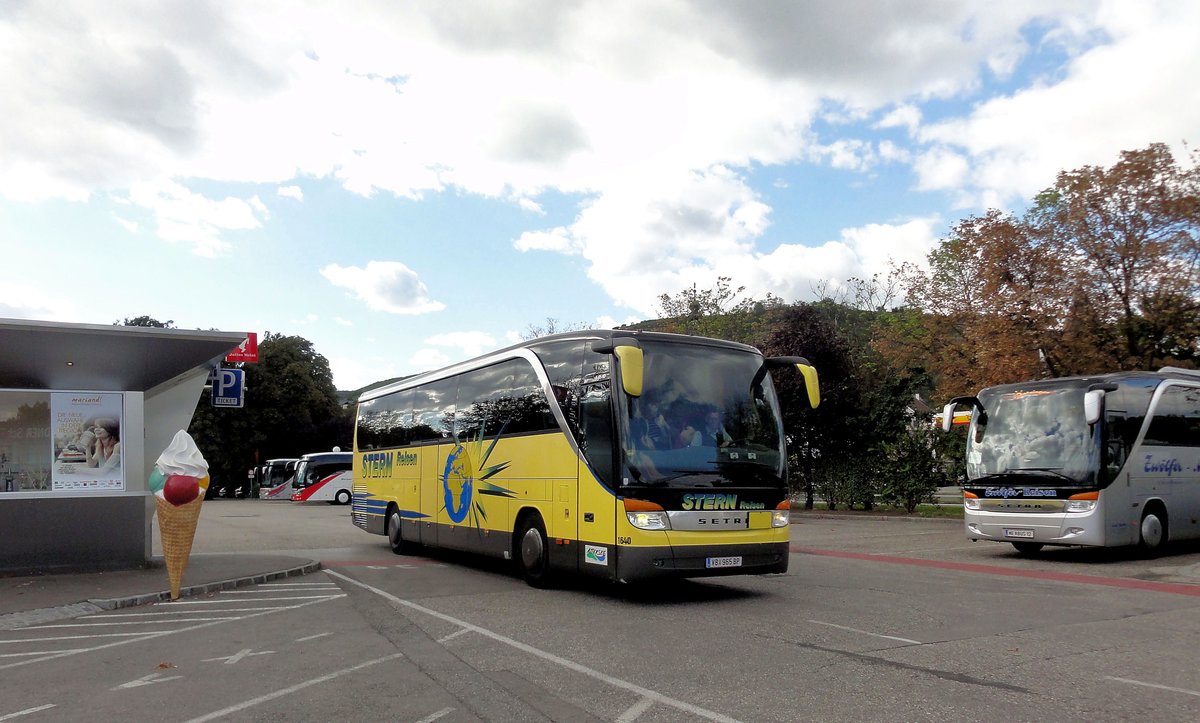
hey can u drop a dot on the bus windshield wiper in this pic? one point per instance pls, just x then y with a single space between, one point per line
1052 471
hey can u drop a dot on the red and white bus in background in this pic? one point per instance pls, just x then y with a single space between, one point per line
323 477
276 477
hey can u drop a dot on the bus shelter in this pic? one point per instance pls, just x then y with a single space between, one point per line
63 504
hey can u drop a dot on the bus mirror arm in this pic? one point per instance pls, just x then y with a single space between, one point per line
948 410
1093 401
812 383
629 358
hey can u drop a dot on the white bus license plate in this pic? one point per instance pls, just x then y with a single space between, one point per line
1022 534
723 562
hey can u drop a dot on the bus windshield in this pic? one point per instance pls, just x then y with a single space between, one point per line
1038 432
707 417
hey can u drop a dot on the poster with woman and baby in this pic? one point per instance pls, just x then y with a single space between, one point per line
86 438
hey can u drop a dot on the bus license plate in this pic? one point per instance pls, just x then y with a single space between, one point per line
723 562
1023 534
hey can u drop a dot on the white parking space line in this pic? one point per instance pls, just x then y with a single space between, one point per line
453 635
332 588
1156 686
312 637
867 632
139 637
292 689
38 652
183 612
434 716
549 657
99 624
263 599
27 711
70 637
635 711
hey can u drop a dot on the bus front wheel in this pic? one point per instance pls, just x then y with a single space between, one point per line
1028 548
399 545
1153 531
533 552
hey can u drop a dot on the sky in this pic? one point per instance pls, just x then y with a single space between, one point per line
410 184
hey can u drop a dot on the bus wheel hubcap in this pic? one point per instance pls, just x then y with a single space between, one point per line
531 549
1152 530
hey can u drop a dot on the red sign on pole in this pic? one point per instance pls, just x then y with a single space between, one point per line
247 351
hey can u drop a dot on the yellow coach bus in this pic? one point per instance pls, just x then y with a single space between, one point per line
614 454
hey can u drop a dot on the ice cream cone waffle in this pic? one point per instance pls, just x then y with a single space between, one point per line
177 527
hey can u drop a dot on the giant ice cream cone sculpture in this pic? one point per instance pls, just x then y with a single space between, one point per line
179 481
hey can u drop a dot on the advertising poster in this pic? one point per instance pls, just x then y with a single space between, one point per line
86 433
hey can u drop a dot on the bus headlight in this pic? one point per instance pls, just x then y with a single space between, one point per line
649 520
1083 502
970 501
781 518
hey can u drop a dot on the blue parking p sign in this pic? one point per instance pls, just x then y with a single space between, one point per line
228 388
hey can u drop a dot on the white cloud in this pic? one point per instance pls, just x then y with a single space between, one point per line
183 216
655 114
428 359
558 239
471 343
940 169
384 286
903 116
22 301
1123 94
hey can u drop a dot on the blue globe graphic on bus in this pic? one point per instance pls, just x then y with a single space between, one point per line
460 474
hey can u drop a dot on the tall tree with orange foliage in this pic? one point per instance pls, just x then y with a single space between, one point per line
1101 274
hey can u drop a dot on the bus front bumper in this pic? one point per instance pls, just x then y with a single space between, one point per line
1047 529
635 564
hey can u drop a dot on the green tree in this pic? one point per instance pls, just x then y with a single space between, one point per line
291 409
818 439
146 321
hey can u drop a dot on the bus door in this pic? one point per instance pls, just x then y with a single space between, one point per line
431 462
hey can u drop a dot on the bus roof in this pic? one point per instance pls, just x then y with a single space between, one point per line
1143 376
327 456
602 335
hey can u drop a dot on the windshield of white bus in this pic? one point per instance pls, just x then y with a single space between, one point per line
277 474
706 417
1033 432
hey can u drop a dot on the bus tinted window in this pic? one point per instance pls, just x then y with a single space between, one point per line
503 397
1176 420
563 362
478 394
433 411
386 421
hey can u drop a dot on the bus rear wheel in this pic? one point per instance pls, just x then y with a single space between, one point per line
1152 533
1028 548
533 552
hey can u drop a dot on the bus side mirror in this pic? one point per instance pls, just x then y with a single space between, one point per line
948 416
811 384
1093 405
630 360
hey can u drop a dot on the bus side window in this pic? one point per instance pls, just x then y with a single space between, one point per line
1176 419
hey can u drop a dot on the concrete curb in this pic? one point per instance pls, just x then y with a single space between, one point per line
869 516
12 621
